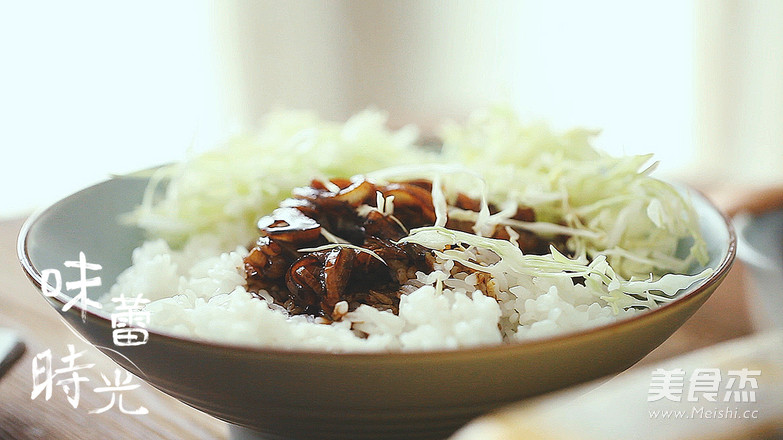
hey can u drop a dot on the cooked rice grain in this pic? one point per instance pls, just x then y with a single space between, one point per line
210 302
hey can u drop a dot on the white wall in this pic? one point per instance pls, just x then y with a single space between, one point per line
90 88
93 88
739 118
625 67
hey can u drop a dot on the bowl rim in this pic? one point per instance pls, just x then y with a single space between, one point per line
722 269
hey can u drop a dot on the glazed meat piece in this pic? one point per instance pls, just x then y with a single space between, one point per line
319 280
332 242
412 204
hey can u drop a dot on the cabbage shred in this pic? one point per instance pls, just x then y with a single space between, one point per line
624 227
633 219
224 191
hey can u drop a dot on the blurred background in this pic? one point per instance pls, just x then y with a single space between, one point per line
93 88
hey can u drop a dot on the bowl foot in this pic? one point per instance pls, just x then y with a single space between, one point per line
236 432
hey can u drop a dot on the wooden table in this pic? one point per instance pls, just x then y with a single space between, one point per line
22 308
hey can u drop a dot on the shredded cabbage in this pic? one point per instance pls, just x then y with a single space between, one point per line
637 221
623 226
225 190
613 288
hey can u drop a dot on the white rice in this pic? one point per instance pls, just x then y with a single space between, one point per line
199 292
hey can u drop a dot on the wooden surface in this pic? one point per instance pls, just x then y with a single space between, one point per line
23 309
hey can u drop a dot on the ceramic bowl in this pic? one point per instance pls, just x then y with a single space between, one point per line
299 394
760 248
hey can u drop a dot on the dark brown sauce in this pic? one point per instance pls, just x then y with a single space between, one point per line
313 282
